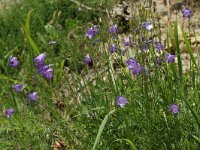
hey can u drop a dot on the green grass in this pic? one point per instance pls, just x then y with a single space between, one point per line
77 109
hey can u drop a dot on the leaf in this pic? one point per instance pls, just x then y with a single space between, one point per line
26 29
101 127
189 48
178 52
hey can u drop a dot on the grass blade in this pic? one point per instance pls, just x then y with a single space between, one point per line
133 147
189 48
101 127
178 52
26 30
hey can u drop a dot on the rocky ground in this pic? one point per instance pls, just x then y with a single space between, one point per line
168 13
5 4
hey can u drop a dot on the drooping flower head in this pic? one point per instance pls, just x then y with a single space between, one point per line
113 29
174 108
131 62
45 71
124 51
158 46
87 60
170 58
40 58
48 74
158 62
137 31
96 41
121 101
186 12
127 41
13 62
147 25
137 69
17 87
8 112
32 96
145 46
134 66
113 48
92 32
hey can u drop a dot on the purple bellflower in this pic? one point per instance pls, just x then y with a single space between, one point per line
32 96
186 12
113 48
127 41
145 47
48 74
174 108
124 51
92 32
51 43
147 25
158 46
113 29
8 112
13 62
137 31
17 87
121 101
40 58
134 66
87 60
158 62
170 58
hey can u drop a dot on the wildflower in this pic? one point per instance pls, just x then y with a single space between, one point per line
13 61
134 66
158 61
124 51
131 62
32 96
158 46
113 29
8 112
174 108
92 32
186 12
127 41
137 31
96 41
87 60
147 25
45 71
145 47
40 58
170 58
113 48
17 87
121 101
137 69
48 74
